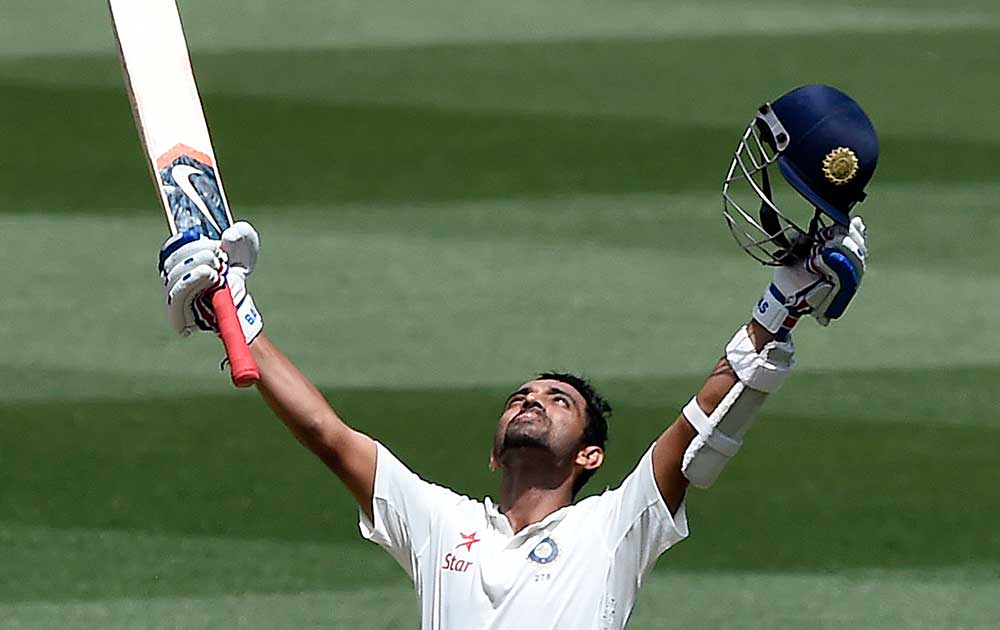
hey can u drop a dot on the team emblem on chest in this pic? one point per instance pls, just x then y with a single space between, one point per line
544 552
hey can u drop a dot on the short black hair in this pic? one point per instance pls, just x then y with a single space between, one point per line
595 432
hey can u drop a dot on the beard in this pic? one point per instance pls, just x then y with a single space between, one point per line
525 431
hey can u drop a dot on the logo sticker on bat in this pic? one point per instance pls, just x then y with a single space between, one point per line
192 189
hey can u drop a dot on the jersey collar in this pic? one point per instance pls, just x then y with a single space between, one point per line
498 521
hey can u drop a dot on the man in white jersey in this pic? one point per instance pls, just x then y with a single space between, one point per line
534 559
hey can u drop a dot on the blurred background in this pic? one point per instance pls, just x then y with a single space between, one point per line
453 195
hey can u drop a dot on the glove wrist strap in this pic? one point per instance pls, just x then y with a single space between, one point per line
250 319
772 313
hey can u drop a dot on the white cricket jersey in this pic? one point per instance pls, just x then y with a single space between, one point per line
578 569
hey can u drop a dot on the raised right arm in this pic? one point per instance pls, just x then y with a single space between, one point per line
292 396
191 268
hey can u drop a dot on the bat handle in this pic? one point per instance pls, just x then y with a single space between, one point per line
243 368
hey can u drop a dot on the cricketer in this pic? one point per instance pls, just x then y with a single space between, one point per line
534 558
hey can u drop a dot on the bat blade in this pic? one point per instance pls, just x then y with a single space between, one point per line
172 128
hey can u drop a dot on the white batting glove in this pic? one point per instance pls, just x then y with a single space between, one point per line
822 286
193 267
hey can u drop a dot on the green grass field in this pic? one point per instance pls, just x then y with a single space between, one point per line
453 196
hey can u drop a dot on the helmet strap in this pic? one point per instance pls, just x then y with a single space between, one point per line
768 217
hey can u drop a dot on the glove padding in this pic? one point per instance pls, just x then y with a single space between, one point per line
193 267
822 285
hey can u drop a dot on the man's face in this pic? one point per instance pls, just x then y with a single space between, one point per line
544 414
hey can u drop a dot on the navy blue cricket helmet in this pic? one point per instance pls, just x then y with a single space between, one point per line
826 150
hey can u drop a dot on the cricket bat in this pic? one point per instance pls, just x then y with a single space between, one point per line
173 131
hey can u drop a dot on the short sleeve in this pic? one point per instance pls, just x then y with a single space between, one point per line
404 510
640 524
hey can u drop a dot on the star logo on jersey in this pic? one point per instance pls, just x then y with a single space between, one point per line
467 541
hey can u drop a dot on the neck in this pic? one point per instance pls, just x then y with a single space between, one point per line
533 486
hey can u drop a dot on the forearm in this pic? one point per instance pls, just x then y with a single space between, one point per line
293 397
674 442
722 378
306 413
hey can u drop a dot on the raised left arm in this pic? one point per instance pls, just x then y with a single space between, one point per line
709 431
668 456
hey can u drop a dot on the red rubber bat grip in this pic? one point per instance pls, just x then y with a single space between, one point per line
242 367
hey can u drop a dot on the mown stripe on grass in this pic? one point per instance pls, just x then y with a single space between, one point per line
308 151
644 78
729 601
822 483
389 309
376 608
78 28
907 219
964 393
48 564
863 600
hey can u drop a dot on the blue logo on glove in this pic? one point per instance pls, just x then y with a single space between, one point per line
849 281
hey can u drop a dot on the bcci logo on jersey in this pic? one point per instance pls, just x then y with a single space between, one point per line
193 193
544 552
